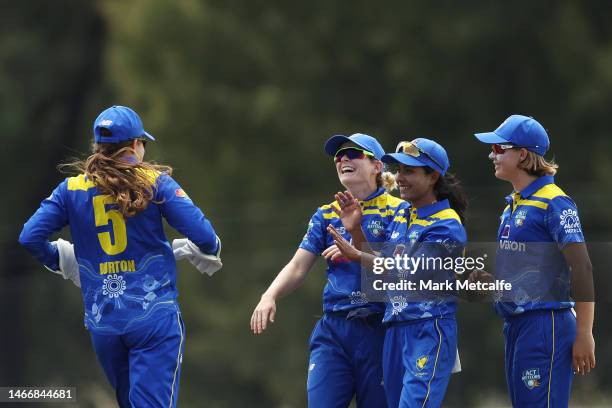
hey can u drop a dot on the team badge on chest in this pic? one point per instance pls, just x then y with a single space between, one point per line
376 228
519 218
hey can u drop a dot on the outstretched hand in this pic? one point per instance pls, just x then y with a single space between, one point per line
345 247
349 212
264 311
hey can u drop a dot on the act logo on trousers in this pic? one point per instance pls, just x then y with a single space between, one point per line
531 378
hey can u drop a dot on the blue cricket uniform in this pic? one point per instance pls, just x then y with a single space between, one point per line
128 279
539 324
421 340
346 343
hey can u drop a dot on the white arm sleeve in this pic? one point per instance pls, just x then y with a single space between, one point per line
183 248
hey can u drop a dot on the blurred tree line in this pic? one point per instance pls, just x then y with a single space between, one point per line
241 96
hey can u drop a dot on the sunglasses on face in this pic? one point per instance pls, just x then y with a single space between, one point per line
413 150
352 153
501 148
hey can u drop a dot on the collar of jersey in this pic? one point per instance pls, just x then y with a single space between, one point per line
374 194
431 209
533 187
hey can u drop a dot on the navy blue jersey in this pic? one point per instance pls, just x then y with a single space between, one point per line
432 231
127 268
343 288
535 225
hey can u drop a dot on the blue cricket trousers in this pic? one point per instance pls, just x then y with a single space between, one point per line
346 360
418 359
538 351
144 365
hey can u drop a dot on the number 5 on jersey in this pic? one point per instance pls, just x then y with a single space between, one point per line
102 218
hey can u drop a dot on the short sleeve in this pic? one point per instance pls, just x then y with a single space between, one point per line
563 222
314 239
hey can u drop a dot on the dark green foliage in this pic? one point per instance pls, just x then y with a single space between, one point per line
241 96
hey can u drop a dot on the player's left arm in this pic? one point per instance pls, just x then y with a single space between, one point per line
566 230
583 351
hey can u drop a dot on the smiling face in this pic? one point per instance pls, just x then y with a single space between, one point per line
506 164
415 185
356 171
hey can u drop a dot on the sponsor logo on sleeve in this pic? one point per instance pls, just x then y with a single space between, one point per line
570 222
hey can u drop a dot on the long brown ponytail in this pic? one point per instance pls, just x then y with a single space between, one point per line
129 182
449 187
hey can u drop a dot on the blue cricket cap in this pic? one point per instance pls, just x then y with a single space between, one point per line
121 124
521 131
366 142
419 153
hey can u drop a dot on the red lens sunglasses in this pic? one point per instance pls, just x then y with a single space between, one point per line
501 148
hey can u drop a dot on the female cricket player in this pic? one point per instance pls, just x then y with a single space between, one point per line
346 343
544 339
126 267
420 348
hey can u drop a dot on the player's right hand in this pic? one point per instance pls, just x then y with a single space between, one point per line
264 311
349 212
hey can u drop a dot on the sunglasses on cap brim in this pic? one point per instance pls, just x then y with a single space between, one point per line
413 150
351 153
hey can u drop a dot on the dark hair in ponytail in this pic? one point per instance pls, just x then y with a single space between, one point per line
449 187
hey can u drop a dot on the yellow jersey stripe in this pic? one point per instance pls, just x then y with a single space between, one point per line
447 214
423 223
549 191
532 203
80 183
